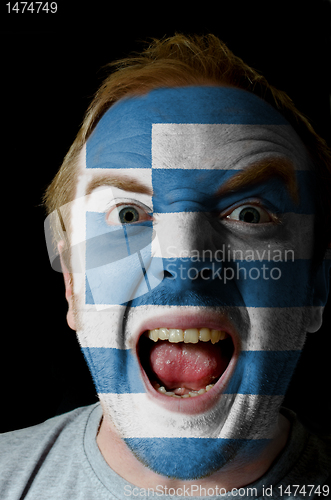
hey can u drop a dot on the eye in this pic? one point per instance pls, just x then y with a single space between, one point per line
126 214
250 214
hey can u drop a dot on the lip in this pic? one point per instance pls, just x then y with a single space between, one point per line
184 320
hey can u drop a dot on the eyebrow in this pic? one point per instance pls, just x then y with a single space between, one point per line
122 182
263 171
253 174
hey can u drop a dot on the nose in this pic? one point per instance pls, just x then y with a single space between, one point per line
191 274
188 242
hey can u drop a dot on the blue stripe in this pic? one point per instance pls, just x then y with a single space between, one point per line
234 284
263 372
144 272
114 370
106 244
267 373
127 240
191 458
122 138
182 190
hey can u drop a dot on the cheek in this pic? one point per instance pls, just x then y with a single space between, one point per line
114 371
276 329
272 267
270 352
282 284
100 328
113 366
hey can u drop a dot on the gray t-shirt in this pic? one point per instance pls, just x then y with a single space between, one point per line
60 460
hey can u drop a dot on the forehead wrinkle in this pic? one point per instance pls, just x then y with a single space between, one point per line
264 170
224 146
123 182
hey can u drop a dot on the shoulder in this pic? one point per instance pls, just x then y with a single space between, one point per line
308 456
318 454
24 452
16 441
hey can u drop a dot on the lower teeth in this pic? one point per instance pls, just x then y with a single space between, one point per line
191 394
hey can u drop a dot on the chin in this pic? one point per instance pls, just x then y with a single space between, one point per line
188 447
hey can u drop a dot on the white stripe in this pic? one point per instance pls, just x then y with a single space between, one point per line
176 238
269 328
215 146
152 421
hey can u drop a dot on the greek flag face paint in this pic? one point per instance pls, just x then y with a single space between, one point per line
183 241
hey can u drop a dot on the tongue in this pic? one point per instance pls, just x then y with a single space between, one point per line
192 366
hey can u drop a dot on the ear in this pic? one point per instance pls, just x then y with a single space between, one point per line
320 293
68 287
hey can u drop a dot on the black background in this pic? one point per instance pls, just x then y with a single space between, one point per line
50 67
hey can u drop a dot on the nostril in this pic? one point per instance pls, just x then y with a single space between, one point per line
191 271
167 274
205 273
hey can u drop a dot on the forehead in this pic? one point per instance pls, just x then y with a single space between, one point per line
215 131
195 124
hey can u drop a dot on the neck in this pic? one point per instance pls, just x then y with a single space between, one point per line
235 475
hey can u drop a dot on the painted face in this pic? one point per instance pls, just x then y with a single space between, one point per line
196 282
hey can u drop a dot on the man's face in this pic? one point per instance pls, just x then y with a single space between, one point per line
196 288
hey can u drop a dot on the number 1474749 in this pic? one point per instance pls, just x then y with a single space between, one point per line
32 7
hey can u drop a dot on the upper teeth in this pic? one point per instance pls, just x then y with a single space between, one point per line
191 335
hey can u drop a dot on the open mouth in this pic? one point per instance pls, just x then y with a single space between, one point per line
184 363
